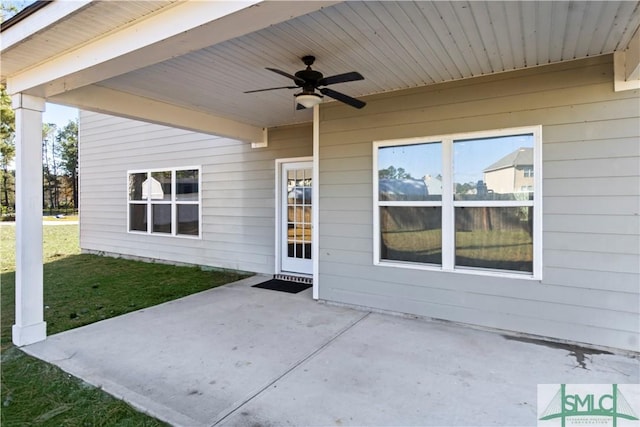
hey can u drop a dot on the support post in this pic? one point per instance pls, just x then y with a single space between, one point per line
29 326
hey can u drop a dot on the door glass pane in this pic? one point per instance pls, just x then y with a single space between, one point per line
299 182
498 168
498 238
410 172
137 217
160 185
187 185
188 219
412 234
136 186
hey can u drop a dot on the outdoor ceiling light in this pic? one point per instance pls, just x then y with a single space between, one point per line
308 99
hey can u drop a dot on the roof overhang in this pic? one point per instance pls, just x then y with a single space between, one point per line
187 63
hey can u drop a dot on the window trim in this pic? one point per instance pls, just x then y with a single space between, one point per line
448 203
149 202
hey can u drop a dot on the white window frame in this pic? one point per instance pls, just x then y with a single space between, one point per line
173 202
448 203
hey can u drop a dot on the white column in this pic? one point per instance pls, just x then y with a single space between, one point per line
315 203
30 326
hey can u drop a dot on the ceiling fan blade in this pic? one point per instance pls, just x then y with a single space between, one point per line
298 80
356 103
341 78
271 88
300 107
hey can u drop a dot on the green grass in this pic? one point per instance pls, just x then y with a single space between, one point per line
80 289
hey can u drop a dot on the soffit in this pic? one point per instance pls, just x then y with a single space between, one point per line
395 45
93 21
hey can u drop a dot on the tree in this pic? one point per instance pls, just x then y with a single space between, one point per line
50 162
67 139
392 173
465 188
7 10
7 147
7 126
10 8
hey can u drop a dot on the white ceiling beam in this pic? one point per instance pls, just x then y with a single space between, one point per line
121 104
626 66
632 58
175 31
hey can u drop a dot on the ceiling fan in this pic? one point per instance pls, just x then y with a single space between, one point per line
309 80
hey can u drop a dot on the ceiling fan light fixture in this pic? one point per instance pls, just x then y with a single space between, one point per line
308 100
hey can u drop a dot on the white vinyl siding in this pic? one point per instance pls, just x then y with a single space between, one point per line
591 186
237 191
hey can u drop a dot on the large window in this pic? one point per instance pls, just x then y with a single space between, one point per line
468 202
165 202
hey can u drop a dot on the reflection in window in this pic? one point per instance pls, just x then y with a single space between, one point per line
137 190
161 218
187 185
412 234
138 217
188 219
492 168
160 186
499 238
410 172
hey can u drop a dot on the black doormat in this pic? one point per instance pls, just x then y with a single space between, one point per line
283 286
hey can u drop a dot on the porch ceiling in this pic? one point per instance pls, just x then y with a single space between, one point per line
395 45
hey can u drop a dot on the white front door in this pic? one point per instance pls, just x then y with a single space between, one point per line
295 217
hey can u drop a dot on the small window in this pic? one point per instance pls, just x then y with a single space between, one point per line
528 172
165 202
459 202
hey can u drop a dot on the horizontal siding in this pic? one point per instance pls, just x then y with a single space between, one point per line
590 223
625 244
601 299
594 205
592 149
589 186
590 290
573 328
238 195
529 304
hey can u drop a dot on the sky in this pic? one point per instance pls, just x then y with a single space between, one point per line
59 115
470 156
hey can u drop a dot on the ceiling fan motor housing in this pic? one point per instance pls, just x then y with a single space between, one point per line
311 79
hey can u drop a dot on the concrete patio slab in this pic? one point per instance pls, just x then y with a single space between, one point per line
238 355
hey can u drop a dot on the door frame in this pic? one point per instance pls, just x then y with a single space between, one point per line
279 213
